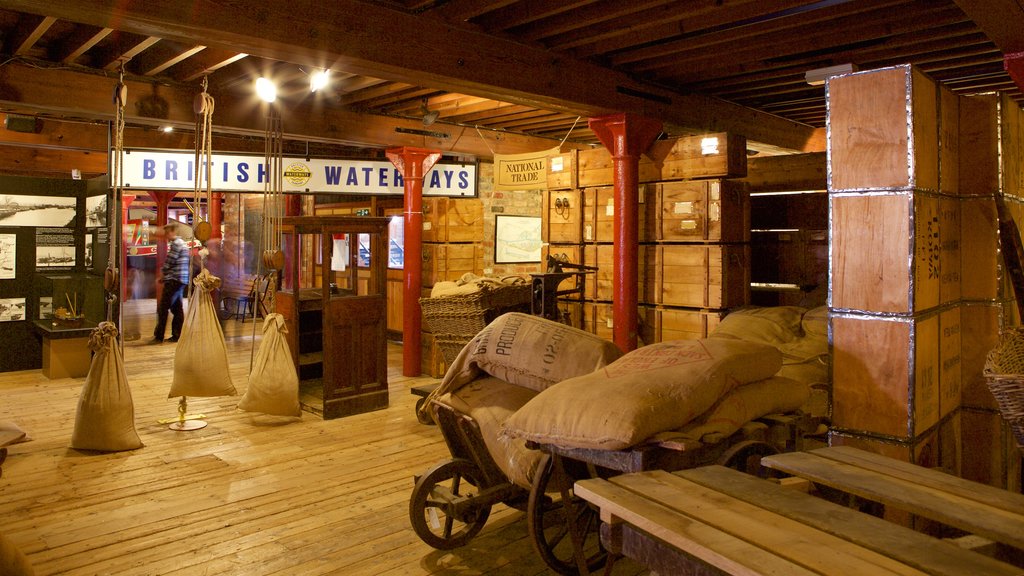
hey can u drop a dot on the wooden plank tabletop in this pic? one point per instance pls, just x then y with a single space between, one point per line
747 526
977 508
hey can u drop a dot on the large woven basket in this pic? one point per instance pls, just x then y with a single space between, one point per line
469 313
451 344
1004 373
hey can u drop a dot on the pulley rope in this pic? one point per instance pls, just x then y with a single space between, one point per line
111 277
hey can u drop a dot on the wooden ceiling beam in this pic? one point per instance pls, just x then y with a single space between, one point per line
122 47
162 56
303 122
462 10
29 30
427 51
81 41
524 12
206 62
1001 20
603 12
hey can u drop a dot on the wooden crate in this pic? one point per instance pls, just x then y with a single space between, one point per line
949 141
452 219
684 158
450 261
562 171
697 275
663 323
949 255
885 374
697 211
432 362
990 454
872 126
978 164
786 173
597 319
979 334
599 285
979 245
563 216
1011 146
950 361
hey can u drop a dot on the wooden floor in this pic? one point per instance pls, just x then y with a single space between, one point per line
246 495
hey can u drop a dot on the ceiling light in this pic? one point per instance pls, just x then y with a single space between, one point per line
817 76
319 80
266 89
167 129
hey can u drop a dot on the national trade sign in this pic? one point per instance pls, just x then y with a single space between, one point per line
175 170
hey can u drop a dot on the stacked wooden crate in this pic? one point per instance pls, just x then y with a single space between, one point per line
916 296
694 228
452 233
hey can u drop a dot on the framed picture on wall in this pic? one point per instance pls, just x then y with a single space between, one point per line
517 239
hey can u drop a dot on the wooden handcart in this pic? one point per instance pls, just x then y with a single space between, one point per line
451 501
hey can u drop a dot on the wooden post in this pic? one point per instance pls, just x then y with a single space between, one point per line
213 211
163 200
126 202
626 136
412 164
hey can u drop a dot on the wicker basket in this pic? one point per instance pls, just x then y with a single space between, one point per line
451 344
1004 373
469 313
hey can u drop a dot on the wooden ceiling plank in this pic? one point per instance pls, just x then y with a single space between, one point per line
155 66
555 28
643 57
1000 20
81 41
235 116
122 47
463 10
365 38
526 12
809 40
373 93
205 63
484 112
29 30
664 23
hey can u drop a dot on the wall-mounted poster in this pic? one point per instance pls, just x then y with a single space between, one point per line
517 239
55 248
45 307
8 251
17 210
95 211
12 309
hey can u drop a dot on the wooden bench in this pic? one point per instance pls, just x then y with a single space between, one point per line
715 520
977 508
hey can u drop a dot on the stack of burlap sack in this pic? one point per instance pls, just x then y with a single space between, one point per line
470 283
524 378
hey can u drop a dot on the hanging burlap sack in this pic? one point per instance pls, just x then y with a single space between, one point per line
649 390
201 358
106 415
273 382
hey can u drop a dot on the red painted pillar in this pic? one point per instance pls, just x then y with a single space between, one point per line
1014 64
213 211
163 200
626 136
126 202
413 164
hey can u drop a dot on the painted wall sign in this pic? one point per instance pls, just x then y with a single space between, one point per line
527 171
175 170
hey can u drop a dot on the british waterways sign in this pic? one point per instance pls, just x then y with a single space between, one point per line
175 170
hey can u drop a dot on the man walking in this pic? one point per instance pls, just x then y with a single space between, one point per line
175 278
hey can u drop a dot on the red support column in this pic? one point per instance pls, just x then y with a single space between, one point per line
163 200
626 136
213 211
126 202
413 164
1014 64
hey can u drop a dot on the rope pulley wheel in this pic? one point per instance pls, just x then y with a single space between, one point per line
273 259
203 231
111 278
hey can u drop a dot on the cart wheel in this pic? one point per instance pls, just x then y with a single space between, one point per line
549 518
421 416
442 510
746 457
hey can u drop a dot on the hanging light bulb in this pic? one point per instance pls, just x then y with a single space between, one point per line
266 89
318 80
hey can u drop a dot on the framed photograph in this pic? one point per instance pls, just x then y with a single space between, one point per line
517 239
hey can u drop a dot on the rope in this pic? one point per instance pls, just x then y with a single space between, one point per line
569 132
111 280
202 189
481 134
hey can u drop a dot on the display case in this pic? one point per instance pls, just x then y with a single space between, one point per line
79 294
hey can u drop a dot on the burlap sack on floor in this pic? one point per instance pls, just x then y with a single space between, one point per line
12 561
105 420
201 358
490 401
273 382
649 390
775 395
